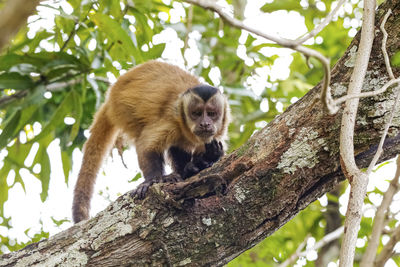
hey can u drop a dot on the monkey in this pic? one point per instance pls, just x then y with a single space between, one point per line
168 115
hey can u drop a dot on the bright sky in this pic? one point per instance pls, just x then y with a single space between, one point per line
26 209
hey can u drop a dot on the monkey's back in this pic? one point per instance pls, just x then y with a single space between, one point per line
147 95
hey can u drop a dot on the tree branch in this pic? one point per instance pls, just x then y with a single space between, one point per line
387 251
358 180
325 240
379 221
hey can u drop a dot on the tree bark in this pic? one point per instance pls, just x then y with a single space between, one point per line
13 16
213 217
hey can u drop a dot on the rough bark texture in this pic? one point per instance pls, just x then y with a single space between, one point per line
227 209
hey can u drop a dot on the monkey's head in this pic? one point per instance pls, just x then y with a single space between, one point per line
204 109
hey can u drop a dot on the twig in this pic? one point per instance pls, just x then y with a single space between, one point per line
387 250
390 72
72 33
383 47
357 179
295 255
366 94
335 103
322 25
53 87
379 220
10 98
325 240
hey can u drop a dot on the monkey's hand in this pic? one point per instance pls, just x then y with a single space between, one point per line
214 151
171 178
190 169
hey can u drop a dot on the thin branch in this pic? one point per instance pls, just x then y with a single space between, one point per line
325 240
384 40
396 101
385 131
53 87
322 25
366 94
379 220
387 251
334 103
357 179
72 34
10 98
289 261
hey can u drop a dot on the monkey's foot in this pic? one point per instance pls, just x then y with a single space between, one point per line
141 190
172 178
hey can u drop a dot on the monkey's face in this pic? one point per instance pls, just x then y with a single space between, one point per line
205 118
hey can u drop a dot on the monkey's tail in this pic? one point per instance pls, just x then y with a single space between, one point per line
101 140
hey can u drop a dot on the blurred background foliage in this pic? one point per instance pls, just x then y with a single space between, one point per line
52 79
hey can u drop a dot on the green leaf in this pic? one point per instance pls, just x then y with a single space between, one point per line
281 5
137 177
381 165
18 179
16 81
3 186
43 159
396 59
10 128
10 60
66 161
117 35
58 118
144 30
155 52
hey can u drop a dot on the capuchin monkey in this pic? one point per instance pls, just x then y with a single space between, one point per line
162 110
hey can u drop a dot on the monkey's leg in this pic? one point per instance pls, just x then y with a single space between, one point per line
152 166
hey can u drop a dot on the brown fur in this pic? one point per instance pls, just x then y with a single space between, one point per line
145 105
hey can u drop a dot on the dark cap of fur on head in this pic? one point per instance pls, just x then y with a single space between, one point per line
204 91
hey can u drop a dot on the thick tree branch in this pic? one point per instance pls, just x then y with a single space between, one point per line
13 16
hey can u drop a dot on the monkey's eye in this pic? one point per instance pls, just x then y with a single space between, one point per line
196 113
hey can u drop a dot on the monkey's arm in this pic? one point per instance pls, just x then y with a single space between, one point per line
152 166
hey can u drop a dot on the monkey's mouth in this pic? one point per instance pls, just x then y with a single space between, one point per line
204 133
